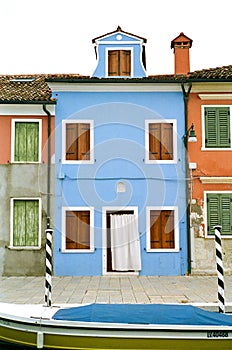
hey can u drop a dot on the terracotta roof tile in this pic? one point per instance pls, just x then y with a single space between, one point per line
34 88
218 73
24 88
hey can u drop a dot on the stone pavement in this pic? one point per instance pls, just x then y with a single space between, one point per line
116 289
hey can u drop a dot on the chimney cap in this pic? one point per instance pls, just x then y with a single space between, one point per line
181 37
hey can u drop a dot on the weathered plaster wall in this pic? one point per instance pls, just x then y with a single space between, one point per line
23 181
203 249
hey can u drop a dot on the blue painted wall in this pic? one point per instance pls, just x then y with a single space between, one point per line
119 153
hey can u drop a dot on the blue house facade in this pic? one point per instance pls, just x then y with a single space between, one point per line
120 186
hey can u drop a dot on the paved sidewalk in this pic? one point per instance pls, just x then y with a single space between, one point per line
116 289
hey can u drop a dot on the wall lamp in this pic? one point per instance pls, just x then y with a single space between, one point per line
190 135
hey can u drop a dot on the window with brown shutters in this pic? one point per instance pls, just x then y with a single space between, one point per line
77 229
162 229
119 63
77 141
160 141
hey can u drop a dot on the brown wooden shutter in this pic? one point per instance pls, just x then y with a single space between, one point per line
77 141
83 141
125 63
155 233
160 141
119 63
168 229
71 230
154 141
71 141
78 230
162 229
113 62
166 141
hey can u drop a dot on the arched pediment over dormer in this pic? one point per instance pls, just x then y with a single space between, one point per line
120 55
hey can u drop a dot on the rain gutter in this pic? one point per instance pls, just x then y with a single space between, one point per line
185 139
48 166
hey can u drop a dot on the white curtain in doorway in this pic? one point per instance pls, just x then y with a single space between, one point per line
125 242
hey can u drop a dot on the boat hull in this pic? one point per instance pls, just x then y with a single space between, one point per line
39 327
48 335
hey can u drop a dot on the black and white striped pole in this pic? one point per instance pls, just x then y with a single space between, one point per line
220 272
48 281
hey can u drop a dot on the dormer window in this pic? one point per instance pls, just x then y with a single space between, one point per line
119 63
120 55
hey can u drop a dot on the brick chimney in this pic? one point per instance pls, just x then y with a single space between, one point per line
181 45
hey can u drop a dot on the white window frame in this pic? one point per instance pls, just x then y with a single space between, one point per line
12 223
176 230
119 48
160 161
79 121
63 243
204 148
205 214
20 120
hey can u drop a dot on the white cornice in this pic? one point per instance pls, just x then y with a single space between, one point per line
216 179
212 87
25 109
114 87
121 42
215 96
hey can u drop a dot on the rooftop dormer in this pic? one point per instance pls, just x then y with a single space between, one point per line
120 54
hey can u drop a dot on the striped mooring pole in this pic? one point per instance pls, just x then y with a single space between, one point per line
48 281
220 272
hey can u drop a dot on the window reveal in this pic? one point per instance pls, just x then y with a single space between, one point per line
77 141
219 212
162 229
26 148
119 63
160 141
77 230
25 223
217 127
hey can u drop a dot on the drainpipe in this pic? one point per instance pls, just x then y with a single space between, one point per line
48 167
186 97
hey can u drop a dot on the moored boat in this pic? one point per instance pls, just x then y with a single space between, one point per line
114 326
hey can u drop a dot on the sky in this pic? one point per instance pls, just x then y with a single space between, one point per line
55 36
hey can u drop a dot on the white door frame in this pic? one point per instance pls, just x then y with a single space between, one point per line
104 238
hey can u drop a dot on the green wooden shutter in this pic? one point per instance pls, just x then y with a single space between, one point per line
217 127
26 223
219 212
26 142
213 212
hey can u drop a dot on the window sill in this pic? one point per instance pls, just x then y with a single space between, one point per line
24 248
148 161
77 251
222 236
174 250
216 149
16 162
82 162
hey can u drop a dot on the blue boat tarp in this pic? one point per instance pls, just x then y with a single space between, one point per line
144 314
